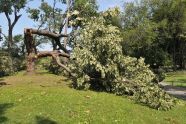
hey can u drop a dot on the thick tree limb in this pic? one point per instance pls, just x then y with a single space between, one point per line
8 18
61 46
16 17
62 22
63 66
55 54
49 34
52 53
11 25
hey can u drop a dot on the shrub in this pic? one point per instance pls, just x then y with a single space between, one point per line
19 64
54 68
160 75
49 64
6 65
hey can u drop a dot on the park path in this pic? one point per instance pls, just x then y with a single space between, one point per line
179 92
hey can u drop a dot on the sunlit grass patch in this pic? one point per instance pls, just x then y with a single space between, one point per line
176 78
46 98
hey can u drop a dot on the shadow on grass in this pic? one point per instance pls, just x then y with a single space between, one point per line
42 73
3 108
2 82
44 120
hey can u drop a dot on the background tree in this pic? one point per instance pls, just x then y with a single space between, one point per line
171 15
155 30
12 7
16 60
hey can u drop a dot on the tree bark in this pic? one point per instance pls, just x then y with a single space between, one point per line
31 63
54 54
66 29
47 33
10 38
30 47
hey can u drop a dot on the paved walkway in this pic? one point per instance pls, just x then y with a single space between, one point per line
179 92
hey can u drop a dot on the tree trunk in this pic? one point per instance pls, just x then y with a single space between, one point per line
65 30
31 63
10 39
30 47
66 24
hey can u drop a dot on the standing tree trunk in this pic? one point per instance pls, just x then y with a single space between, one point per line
11 26
66 29
31 51
66 24
10 38
31 63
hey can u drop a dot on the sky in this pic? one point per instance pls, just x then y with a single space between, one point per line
25 22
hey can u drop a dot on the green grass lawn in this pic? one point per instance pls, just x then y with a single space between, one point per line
176 78
47 99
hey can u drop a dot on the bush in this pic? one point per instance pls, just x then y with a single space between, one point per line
19 64
160 75
49 64
10 64
6 65
99 64
54 68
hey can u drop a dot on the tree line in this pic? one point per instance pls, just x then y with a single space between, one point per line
155 30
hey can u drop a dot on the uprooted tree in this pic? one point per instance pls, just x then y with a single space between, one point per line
33 54
99 63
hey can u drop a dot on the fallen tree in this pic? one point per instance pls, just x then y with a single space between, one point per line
101 65
33 54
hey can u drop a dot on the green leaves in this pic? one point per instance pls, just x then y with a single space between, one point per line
154 29
86 7
100 64
6 65
34 14
155 97
9 6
